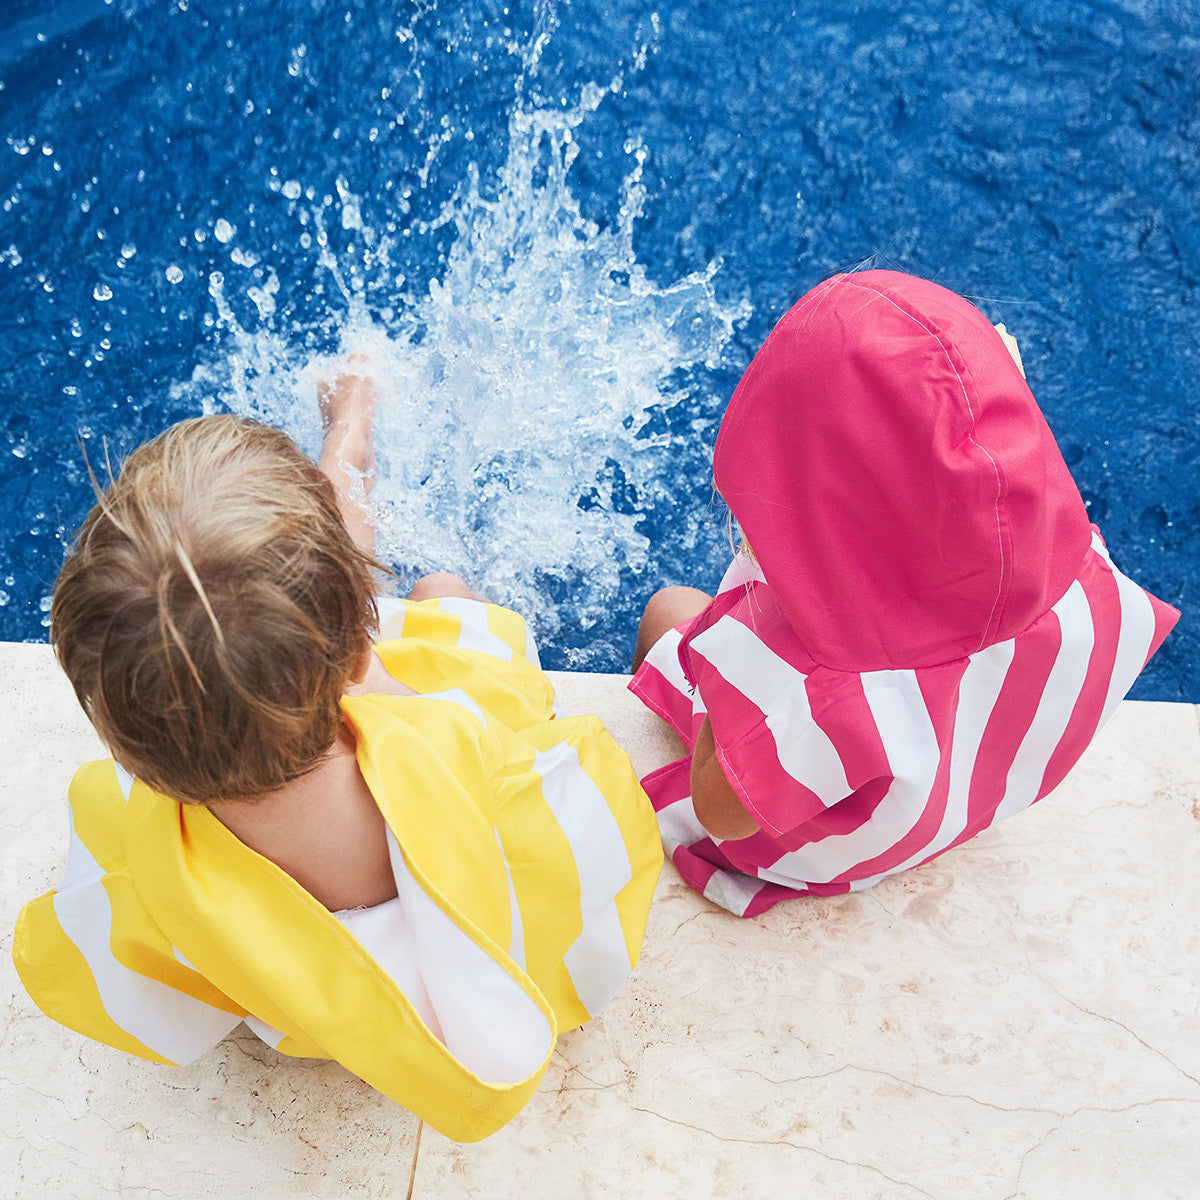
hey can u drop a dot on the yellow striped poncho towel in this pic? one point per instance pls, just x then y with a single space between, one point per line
525 855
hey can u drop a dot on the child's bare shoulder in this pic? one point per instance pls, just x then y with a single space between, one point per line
324 830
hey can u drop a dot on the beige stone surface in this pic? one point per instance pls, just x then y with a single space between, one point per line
1020 1018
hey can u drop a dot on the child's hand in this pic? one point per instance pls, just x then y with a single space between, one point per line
1010 344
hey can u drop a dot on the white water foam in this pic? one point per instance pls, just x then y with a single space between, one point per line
514 393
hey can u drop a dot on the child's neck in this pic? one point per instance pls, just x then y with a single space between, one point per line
323 829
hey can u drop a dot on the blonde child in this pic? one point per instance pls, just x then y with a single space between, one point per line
922 632
391 855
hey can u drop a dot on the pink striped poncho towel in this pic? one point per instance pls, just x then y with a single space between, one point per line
924 632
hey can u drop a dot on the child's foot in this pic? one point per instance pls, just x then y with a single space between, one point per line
347 404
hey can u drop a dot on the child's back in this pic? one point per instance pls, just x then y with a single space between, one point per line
924 631
498 863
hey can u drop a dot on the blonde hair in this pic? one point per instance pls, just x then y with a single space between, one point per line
212 610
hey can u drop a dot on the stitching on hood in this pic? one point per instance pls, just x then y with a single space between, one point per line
1004 565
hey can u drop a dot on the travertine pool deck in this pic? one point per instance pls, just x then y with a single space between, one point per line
1019 1018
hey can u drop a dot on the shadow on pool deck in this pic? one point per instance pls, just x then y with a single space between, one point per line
1018 1018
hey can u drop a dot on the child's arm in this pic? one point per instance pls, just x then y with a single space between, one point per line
717 805
347 455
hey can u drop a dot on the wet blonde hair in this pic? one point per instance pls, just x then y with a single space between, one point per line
212 610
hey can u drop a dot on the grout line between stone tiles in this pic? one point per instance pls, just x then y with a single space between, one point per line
412 1177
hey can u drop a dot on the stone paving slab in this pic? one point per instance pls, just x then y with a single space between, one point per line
1019 1018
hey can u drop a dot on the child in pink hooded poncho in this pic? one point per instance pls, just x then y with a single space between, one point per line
922 633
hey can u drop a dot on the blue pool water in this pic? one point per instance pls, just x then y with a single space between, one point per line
563 229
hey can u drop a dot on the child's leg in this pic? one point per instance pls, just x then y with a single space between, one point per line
442 583
715 803
347 403
668 607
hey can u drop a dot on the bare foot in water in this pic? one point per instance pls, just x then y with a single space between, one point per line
347 403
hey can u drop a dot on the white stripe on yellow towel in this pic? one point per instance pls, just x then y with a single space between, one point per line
170 1022
598 962
516 941
475 633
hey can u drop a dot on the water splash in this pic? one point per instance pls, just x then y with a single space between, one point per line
514 392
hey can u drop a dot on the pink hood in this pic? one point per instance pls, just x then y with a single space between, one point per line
895 478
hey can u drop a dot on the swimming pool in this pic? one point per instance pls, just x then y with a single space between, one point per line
563 230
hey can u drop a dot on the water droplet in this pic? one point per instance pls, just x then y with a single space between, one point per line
223 231
291 189
102 292
128 250
264 297
351 215
174 274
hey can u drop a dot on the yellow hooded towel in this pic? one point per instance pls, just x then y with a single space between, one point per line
525 856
